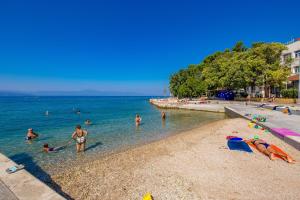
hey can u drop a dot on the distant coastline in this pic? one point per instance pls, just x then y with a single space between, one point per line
4 93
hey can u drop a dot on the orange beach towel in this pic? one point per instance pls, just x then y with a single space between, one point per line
274 147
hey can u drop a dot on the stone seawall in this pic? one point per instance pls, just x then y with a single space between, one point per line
22 185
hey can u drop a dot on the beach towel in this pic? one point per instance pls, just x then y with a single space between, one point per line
285 132
274 147
239 145
14 169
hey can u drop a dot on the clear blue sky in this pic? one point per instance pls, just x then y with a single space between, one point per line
126 45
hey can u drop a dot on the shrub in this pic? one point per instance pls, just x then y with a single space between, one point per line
289 93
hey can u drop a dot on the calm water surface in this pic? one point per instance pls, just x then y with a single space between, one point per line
113 126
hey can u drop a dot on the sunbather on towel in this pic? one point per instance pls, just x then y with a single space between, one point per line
268 150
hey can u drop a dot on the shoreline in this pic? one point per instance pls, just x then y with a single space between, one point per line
110 152
153 167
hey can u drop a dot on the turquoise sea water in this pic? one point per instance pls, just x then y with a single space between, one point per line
113 126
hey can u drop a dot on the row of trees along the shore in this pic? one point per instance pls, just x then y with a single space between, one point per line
233 69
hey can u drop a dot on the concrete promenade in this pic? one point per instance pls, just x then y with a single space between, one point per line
22 185
275 119
214 105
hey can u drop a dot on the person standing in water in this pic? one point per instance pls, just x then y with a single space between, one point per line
31 135
163 115
80 136
138 120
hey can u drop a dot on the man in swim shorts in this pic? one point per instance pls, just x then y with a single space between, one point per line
80 136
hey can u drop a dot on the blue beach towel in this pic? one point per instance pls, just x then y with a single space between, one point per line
238 145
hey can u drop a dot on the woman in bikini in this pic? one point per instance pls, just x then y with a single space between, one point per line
80 136
267 149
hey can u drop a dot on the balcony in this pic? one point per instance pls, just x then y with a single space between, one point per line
296 62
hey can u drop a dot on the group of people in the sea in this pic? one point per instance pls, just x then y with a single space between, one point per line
138 119
79 135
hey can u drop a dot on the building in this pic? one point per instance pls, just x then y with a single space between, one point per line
293 53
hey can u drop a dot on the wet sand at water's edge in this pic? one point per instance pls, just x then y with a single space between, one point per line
195 164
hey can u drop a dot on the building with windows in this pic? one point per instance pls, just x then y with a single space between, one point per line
293 53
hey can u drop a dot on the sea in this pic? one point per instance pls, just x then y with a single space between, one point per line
113 128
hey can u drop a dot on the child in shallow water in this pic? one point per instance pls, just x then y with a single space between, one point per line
48 149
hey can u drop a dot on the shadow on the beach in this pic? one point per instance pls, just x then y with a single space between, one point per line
38 172
93 146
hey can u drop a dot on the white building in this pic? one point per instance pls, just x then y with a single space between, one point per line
293 52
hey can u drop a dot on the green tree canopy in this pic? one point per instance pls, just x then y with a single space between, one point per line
232 69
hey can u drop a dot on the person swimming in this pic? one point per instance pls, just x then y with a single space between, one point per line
88 122
48 149
47 113
138 120
76 111
80 136
31 135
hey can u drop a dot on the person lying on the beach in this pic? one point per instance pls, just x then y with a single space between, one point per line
48 149
80 136
138 120
268 150
31 135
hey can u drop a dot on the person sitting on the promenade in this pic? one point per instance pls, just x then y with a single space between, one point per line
268 150
271 99
88 122
80 136
287 110
163 115
31 135
138 120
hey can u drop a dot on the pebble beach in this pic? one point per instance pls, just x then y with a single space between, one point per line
194 164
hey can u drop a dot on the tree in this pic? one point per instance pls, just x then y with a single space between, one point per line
188 82
239 47
270 72
233 69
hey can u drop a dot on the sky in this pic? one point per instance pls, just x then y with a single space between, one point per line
127 45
